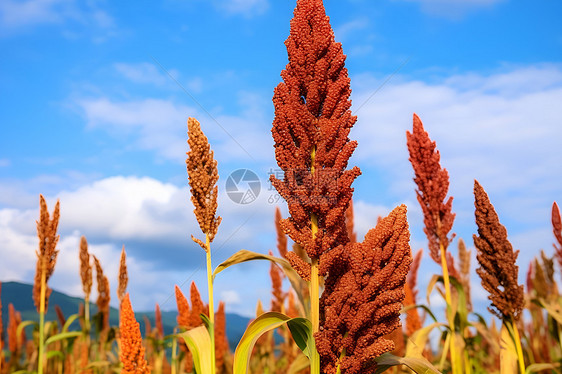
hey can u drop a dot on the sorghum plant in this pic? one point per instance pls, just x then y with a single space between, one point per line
498 270
46 260
310 129
132 350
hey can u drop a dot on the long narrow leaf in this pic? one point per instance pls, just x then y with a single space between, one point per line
62 336
244 255
418 340
299 327
300 363
199 343
418 364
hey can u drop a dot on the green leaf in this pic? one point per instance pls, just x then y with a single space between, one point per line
23 325
418 340
300 363
301 330
62 335
299 327
424 307
533 368
244 255
52 354
199 343
69 321
418 364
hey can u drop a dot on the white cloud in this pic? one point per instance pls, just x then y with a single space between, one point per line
453 8
141 73
230 297
501 129
17 16
246 8
4 162
161 126
344 31
140 212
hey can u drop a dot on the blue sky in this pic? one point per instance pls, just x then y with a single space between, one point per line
95 97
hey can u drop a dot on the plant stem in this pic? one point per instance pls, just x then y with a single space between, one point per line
517 339
87 314
174 353
314 285
211 304
450 317
42 315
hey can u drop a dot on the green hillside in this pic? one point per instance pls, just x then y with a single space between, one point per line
20 295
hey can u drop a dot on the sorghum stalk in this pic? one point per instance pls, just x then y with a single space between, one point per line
433 185
203 175
86 276
310 130
498 270
46 260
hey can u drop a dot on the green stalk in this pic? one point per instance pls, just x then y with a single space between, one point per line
42 316
211 304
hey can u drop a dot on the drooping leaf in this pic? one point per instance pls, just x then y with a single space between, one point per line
62 336
299 327
52 354
419 365
552 308
418 340
533 368
69 321
300 363
424 307
244 255
199 343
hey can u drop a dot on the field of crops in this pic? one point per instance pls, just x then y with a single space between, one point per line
353 304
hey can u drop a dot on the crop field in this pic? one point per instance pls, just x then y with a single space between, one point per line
339 303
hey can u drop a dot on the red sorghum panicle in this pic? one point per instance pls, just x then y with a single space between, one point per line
497 259
221 340
132 350
557 230
281 237
433 185
278 296
464 259
197 307
183 309
47 253
412 278
85 267
310 130
349 223
158 322
103 294
363 296
123 278
202 175
413 321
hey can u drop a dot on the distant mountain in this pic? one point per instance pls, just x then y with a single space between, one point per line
20 295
